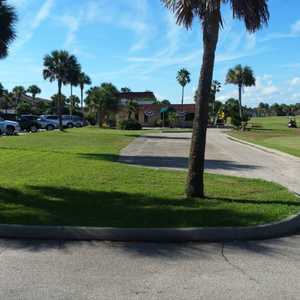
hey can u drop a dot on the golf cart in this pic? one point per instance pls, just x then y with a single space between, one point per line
292 123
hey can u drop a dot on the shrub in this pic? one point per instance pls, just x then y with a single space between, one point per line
130 125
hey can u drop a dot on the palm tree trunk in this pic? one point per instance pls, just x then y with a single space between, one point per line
240 102
182 98
81 100
59 106
195 179
99 117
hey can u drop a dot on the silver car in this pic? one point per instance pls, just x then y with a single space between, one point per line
9 127
48 122
72 121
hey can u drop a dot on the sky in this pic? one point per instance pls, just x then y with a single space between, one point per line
138 44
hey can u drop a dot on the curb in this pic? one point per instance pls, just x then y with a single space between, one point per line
161 235
269 150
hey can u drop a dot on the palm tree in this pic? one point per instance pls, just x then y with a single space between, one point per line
8 20
132 107
18 92
83 81
6 101
2 90
215 88
242 77
34 90
56 68
73 102
125 90
73 74
103 100
254 13
183 78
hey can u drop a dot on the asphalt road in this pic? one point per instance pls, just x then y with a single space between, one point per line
223 156
32 270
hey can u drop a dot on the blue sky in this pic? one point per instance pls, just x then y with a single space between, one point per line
137 44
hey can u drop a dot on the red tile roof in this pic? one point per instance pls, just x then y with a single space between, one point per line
189 108
137 95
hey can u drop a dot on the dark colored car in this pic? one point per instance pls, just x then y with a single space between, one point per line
29 123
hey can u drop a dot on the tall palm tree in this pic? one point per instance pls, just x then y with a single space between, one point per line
18 92
254 13
8 20
242 77
215 88
83 81
183 78
56 68
74 74
34 90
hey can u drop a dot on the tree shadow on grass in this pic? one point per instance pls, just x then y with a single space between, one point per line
257 202
162 137
65 206
46 205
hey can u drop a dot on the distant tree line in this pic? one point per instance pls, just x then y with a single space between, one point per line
266 110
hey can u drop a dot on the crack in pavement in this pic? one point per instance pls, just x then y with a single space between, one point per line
236 267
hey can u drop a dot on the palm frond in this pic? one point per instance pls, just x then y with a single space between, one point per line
8 18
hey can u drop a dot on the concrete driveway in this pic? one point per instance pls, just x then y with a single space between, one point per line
34 270
223 156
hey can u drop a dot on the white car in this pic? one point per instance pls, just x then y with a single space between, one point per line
51 122
9 127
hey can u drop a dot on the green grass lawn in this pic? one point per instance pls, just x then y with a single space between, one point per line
73 178
273 132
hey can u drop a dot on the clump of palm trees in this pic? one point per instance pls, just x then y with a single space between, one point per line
255 14
64 68
102 101
16 99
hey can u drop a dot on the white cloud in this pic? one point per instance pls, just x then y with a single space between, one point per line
264 91
295 81
295 28
72 24
41 15
294 32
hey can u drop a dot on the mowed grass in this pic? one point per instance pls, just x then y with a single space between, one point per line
273 132
74 178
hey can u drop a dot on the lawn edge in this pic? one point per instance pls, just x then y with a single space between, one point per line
278 229
263 148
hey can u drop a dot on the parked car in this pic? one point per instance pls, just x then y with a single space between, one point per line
48 122
72 121
67 121
9 127
29 123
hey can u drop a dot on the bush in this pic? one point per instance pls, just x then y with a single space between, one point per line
236 121
130 125
91 119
